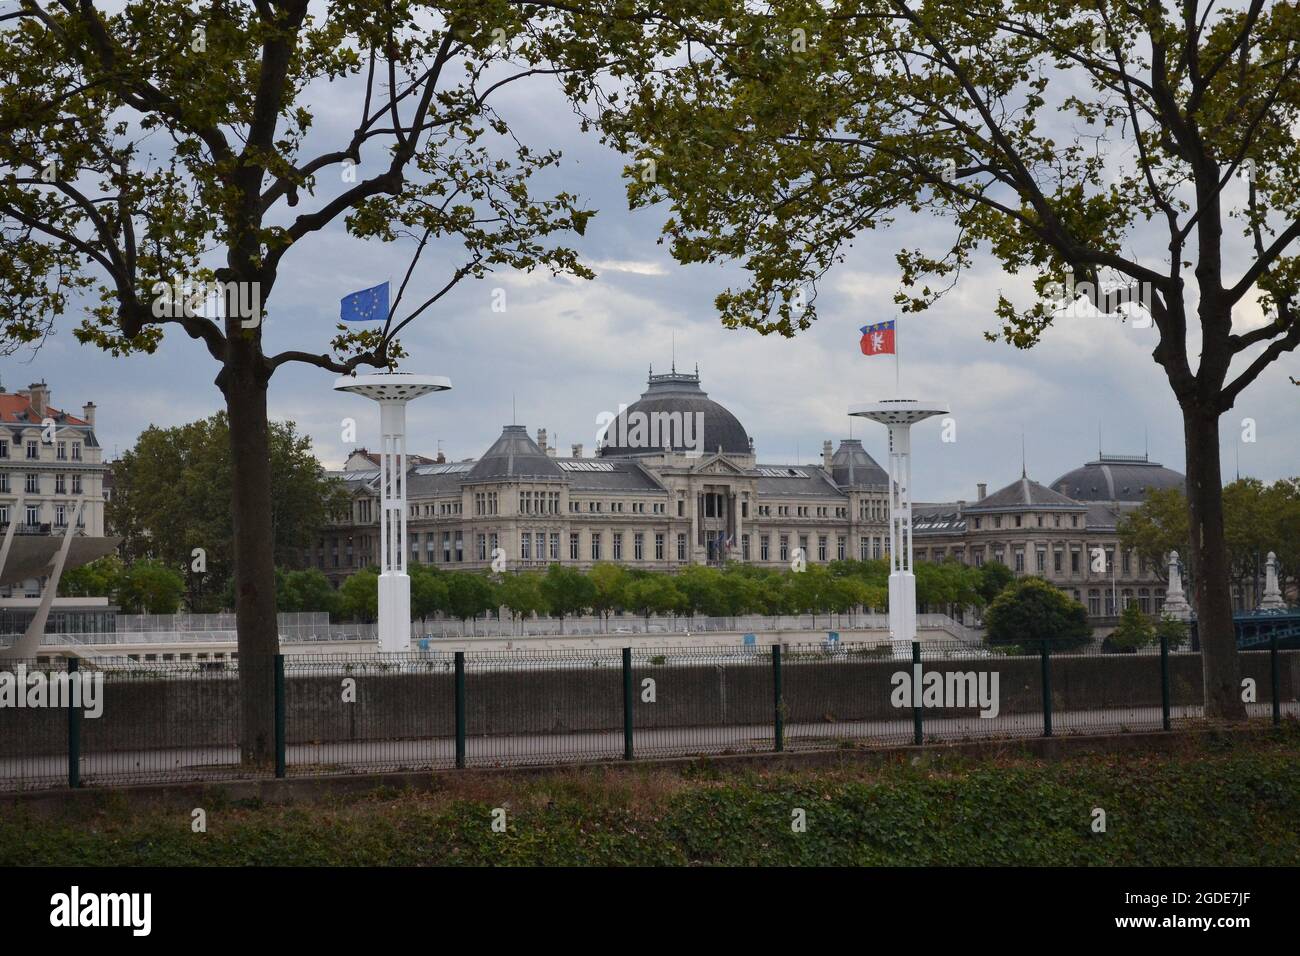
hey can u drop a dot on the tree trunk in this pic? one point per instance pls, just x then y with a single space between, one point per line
1209 563
243 381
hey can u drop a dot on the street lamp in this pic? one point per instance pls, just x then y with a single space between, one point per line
392 390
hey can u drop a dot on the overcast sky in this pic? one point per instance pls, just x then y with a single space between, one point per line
566 350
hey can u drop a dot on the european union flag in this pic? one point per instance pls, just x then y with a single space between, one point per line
368 305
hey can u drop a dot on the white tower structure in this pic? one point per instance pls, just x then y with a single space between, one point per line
392 390
900 414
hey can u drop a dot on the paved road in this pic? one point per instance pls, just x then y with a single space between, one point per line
197 763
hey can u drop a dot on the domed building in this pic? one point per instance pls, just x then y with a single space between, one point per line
673 481
1067 532
675 415
1118 480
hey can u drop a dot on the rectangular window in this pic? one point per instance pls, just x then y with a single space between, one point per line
526 546
4 481
76 484
4 448
1042 561
762 547
33 451
784 552
841 544
33 514
1058 559
1074 562
60 484
618 546
638 546
573 546
33 483
60 516
659 547
446 547
744 547
61 451
681 547
595 546
415 548
482 547
821 547
76 451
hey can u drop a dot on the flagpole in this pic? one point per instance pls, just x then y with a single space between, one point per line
898 390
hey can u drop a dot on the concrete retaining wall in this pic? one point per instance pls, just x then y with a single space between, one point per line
202 710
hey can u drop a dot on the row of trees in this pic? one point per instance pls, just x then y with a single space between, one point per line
1258 518
838 587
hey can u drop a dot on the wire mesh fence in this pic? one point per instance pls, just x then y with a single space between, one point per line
86 723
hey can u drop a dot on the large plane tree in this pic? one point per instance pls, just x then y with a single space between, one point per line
1141 154
147 146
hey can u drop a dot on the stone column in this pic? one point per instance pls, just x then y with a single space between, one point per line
1176 605
1273 600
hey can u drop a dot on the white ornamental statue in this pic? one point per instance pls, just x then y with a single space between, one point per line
1273 599
1176 605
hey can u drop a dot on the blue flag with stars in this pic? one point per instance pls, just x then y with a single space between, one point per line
368 305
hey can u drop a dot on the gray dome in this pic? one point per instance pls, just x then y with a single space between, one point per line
514 455
852 467
668 416
1125 478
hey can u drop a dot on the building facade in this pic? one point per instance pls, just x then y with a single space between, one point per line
50 460
676 481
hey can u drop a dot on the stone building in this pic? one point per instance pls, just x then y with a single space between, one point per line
49 461
1065 532
677 481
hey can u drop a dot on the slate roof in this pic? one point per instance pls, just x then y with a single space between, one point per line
677 394
796 481
513 455
1023 493
852 467
1117 478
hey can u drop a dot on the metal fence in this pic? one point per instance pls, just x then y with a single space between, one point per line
176 721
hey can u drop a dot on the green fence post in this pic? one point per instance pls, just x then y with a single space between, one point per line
778 725
1277 678
1047 689
460 710
918 728
281 747
74 728
1164 681
627 703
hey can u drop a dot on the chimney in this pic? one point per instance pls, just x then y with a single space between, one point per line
88 413
826 455
441 459
577 451
40 397
550 452
541 439
981 490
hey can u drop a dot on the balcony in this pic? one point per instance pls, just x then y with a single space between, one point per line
24 528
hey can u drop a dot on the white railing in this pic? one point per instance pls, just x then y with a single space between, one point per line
317 627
